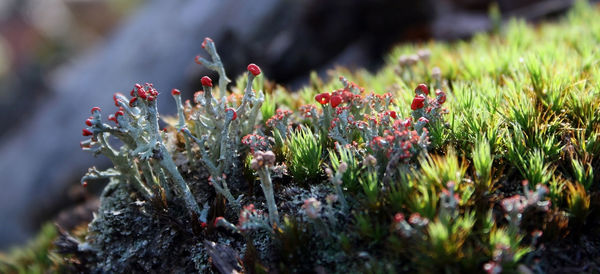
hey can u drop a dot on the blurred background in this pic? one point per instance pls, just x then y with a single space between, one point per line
59 58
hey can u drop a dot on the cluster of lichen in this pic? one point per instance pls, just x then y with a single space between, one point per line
476 175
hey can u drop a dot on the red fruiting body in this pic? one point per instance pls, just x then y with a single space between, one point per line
335 100
323 98
112 118
88 122
120 112
132 92
206 81
86 132
203 224
234 113
197 60
254 69
151 98
399 217
441 96
424 120
116 98
84 184
217 220
393 114
138 86
142 93
175 92
206 40
95 109
418 102
423 88
132 101
406 123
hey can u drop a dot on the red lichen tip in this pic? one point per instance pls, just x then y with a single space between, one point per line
94 109
335 100
217 220
418 102
86 132
234 113
206 40
84 184
112 118
132 101
203 225
119 113
254 69
206 81
323 98
142 93
175 92
423 88
88 122
393 114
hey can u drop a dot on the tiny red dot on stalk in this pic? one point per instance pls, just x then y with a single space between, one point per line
206 40
132 101
138 86
423 88
84 184
142 93
119 113
112 118
323 98
116 98
203 225
335 101
234 113
94 109
217 220
175 92
418 102
206 81
254 69
86 132
88 122
393 114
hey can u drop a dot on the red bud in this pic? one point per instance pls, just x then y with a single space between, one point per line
175 92
96 109
335 100
206 81
206 40
86 132
254 69
418 102
234 113
323 98
88 122
132 101
423 88
112 118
